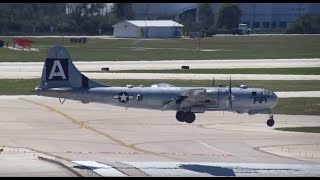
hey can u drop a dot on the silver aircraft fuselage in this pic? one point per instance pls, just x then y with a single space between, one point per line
244 100
61 79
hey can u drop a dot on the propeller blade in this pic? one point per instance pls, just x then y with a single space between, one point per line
230 86
230 93
212 81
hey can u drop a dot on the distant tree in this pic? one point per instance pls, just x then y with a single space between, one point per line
4 18
122 11
305 25
30 17
228 16
90 9
188 19
22 18
85 18
206 16
66 25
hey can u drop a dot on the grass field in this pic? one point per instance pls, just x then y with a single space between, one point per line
26 86
298 106
295 71
315 129
228 47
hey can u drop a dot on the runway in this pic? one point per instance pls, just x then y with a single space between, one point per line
41 137
30 70
139 142
167 64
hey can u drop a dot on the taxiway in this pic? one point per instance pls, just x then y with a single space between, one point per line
139 142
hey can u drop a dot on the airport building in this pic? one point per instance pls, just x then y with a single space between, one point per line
256 15
148 29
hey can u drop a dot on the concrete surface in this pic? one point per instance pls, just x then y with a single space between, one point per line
291 94
24 162
111 135
174 64
29 70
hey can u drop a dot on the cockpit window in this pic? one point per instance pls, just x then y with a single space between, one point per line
254 93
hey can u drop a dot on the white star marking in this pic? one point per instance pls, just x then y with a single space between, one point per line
123 97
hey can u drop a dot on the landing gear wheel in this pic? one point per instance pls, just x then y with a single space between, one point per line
270 122
180 116
189 117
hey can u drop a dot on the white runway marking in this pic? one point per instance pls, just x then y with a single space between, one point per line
99 168
163 64
216 149
290 94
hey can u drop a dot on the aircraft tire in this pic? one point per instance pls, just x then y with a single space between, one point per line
180 116
189 117
270 122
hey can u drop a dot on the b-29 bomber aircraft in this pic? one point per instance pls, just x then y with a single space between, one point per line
61 79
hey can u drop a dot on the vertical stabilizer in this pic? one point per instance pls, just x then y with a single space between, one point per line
59 71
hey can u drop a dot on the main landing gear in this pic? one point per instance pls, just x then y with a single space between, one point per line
187 117
270 121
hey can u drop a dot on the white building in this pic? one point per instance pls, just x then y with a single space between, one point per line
148 29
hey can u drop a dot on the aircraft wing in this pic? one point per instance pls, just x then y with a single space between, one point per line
187 98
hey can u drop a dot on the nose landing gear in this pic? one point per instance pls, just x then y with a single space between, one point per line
270 121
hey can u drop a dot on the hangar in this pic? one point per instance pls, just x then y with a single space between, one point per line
148 29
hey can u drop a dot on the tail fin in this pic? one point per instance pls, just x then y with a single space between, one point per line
59 71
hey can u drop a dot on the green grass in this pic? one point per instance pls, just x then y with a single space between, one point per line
18 86
229 47
298 106
296 71
315 129
26 86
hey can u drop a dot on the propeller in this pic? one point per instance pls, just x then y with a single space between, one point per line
212 81
230 93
